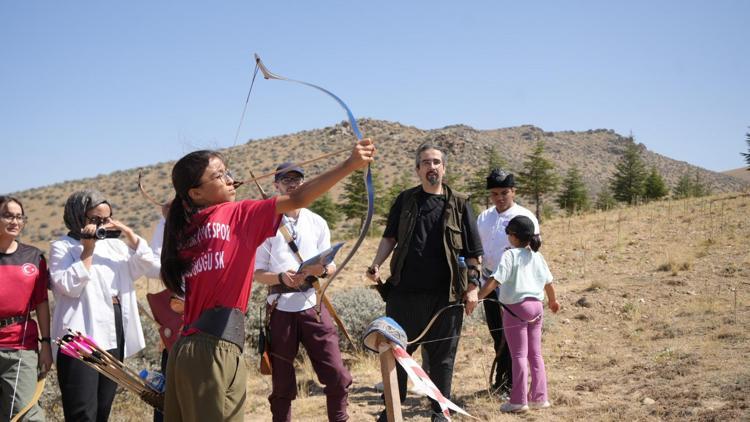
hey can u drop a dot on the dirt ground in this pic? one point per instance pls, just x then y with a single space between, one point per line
655 302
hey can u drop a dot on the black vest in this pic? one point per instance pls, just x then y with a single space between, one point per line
455 202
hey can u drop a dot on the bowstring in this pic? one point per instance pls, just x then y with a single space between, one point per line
18 371
463 335
426 330
244 109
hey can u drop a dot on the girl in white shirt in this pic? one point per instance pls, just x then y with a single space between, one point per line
524 278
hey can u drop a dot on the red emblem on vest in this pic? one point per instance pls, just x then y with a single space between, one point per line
29 269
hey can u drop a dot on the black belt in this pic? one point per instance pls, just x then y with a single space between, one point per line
225 323
12 320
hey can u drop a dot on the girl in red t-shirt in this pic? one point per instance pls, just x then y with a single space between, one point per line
209 257
24 276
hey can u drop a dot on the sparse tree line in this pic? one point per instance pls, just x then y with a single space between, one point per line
631 183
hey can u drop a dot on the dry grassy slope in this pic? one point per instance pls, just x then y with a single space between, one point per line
740 173
667 297
667 288
594 152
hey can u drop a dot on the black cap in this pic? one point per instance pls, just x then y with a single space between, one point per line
500 179
288 168
521 226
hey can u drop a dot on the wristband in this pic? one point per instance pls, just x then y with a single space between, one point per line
474 280
45 340
281 280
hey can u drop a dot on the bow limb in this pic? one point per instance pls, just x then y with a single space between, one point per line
367 174
456 305
145 194
34 399
432 321
284 230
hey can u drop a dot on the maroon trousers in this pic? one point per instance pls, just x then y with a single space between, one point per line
288 330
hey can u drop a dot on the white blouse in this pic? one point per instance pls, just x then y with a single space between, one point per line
83 297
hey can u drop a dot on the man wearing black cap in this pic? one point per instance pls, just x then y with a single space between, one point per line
492 223
291 301
429 228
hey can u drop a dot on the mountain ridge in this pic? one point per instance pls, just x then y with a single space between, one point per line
594 152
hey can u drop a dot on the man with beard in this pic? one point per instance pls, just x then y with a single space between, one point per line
492 223
429 227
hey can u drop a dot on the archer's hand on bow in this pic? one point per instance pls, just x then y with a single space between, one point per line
362 154
292 279
471 298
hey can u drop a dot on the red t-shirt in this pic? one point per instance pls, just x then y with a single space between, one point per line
221 244
23 285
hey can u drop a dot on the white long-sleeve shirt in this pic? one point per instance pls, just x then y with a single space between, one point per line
83 297
274 255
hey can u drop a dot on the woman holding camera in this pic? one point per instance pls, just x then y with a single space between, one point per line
92 278
23 289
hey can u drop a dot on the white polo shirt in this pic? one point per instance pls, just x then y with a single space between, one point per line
312 237
491 225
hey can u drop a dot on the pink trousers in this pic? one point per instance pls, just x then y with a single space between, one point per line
525 344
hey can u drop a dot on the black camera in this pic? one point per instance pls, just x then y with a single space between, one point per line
101 233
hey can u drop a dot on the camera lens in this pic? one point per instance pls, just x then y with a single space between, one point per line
100 233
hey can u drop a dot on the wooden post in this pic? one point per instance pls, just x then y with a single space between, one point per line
390 381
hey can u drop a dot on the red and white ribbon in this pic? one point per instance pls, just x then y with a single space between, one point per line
422 382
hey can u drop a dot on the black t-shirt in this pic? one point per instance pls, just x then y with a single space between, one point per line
426 266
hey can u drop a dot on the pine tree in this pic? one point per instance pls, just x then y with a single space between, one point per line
355 197
630 175
405 181
574 196
700 188
537 179
477 183
654 186
690 187
683 188
451 178
605 200
326 208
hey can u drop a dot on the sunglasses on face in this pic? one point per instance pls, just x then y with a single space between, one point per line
98 221
288 180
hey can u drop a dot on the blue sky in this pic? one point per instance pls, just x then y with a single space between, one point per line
87 88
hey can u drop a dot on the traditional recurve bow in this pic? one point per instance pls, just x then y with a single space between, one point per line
267 74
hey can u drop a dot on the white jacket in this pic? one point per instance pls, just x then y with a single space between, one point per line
83 298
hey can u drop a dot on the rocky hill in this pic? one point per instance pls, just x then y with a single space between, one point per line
594 152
